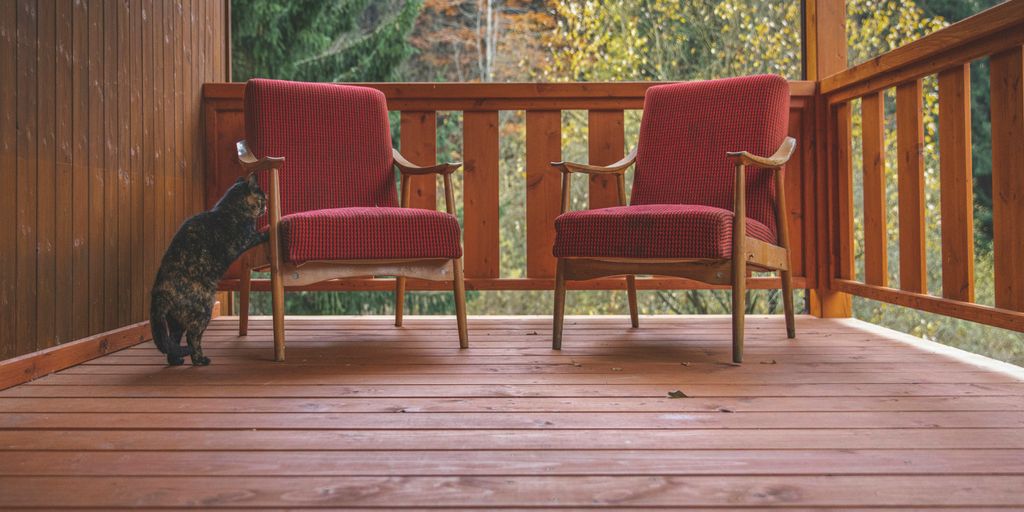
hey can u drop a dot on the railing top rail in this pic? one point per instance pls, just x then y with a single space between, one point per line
985 33
422 91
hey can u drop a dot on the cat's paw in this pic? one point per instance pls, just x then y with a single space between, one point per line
175 361
200 361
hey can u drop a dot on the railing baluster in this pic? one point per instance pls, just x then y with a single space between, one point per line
1007 74
800 124
909 147
843 165
419 145
876 258
957 196
606 143
543 188
480 197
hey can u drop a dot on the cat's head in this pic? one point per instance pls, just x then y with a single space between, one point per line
245 197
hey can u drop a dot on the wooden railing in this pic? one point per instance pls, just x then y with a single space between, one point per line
543 103
997 33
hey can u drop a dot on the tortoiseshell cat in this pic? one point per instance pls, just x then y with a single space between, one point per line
202 250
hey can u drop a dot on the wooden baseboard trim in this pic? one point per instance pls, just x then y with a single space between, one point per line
28 367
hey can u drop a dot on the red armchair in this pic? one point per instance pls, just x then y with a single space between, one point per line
703 206
333 211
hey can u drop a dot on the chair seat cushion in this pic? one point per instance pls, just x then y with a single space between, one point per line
651 231
369 234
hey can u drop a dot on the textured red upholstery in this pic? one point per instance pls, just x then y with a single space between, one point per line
335 139
338 198
369 234
651 231
688 127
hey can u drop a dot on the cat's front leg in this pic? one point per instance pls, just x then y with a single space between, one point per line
255 238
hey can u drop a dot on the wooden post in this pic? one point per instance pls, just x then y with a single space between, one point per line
824 29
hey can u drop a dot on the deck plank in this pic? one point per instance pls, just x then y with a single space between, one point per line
367 415
537 491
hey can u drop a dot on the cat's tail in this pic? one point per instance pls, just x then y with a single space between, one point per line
161 337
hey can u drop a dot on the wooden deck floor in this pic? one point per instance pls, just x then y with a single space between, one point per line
365 415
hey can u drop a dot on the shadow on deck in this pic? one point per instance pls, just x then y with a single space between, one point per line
364 414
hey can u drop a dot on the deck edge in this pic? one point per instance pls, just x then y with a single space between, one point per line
934 347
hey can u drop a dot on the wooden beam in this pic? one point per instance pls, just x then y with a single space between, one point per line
910 151
997 317
824 31
419 97
1007 99
957 195
44 362
989 31
544 283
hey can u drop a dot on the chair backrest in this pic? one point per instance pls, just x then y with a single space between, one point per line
335 139
688 127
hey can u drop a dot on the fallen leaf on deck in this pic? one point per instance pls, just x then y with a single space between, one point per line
769 362
531 333
725 409
677 394
686 363
616 369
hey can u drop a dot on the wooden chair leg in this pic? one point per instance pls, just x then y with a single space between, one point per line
277 305
739 292
399 300
634 314
459 287
787 303
245 285
559 315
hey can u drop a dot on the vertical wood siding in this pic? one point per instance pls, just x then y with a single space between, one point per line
100 156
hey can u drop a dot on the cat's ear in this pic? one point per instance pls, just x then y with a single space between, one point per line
251 178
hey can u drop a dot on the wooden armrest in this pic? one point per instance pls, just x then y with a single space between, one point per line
775 161
411 169
616 168
252 164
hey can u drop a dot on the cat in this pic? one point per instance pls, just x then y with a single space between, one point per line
198 256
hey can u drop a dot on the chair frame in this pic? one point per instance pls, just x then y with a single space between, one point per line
748 254
284 274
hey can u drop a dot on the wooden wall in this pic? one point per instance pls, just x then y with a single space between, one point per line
100 156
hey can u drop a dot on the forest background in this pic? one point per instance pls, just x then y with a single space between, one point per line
587 40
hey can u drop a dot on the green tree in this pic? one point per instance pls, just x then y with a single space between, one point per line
317 40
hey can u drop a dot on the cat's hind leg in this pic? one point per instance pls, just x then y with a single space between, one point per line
195 344
175 352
